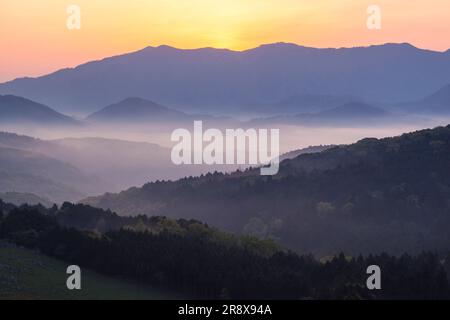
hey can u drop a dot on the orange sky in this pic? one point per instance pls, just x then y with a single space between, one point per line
34 39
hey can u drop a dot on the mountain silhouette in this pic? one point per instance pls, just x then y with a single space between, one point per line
348 114
302 103
223 81
14 109
26 171
136 109
353 110
437 103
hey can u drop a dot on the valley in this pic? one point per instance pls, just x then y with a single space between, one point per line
126 167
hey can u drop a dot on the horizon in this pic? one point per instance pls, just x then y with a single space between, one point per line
224 49
39 42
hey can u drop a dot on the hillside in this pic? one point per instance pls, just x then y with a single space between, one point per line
136 110
18 199
191 258
375 195
26 171
27 274
436 103
113 164
19 110
311 149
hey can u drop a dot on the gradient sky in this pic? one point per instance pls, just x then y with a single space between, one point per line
34 39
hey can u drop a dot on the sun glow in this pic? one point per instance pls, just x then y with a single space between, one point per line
35 40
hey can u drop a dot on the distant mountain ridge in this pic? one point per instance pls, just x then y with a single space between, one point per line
110 164
220 80
136 109
353 110
438 102
435 103
19 199
14 109
353 113
305 103
98 165
24 171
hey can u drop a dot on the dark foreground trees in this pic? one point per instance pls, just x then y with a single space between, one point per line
203 262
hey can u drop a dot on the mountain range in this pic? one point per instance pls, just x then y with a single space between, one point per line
18 111
221 81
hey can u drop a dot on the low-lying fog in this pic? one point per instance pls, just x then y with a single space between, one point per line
292 137
116 157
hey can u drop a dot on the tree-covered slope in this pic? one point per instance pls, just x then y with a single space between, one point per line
375 195
195 260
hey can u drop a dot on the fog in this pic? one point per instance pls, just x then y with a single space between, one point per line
115 157
292 137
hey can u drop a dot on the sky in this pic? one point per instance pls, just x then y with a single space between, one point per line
35 40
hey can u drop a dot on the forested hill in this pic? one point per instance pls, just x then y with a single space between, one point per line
194 260
375 195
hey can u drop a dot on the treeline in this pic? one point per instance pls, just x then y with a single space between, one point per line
202 262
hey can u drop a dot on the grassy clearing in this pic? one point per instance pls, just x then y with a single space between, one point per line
27 274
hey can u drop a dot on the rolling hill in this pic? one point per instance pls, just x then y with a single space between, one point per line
187 257
437 103
112 164
137 110
375 195
25 171
17 198
142 113
14 109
